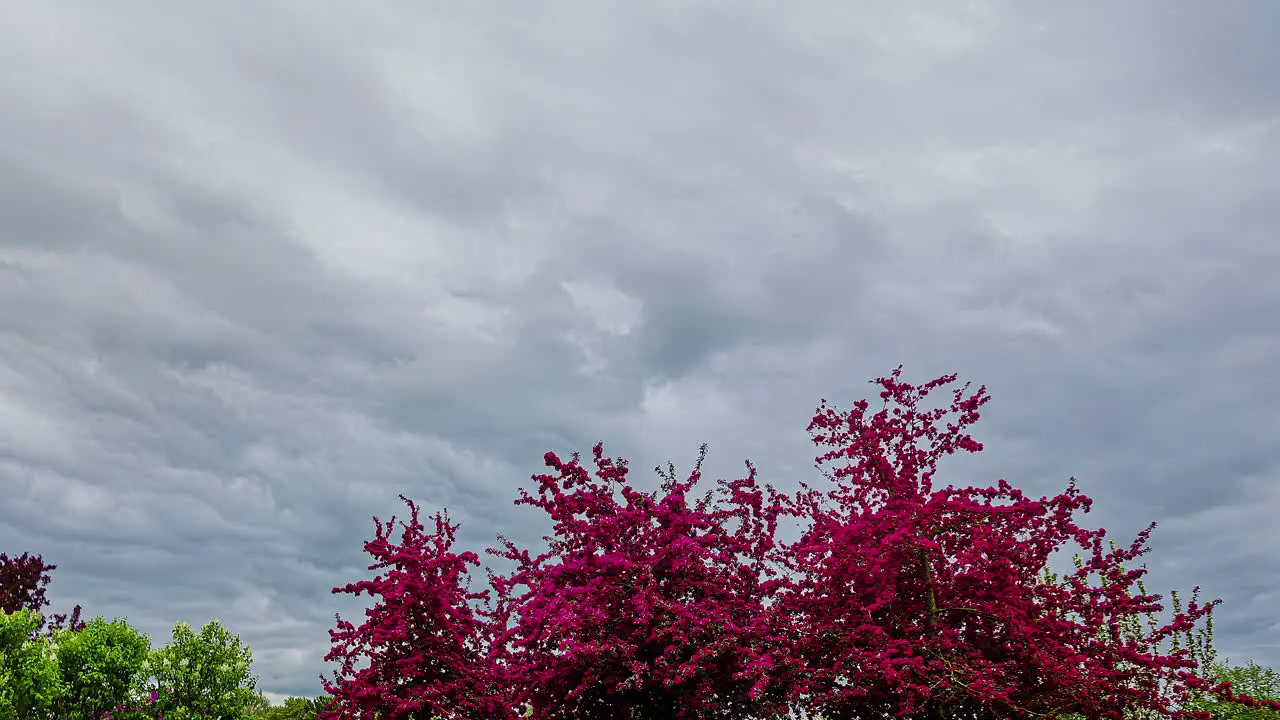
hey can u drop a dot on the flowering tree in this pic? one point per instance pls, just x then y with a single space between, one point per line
427 646
202 675
653 605
652 609
925 603
1256 681
898 600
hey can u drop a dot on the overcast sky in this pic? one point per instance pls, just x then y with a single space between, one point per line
266 265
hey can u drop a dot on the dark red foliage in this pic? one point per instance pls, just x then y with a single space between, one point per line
22 586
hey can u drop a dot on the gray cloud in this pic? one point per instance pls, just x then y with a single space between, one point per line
262 269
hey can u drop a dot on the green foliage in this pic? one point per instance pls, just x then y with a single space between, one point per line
1256 681
298 708
257 706
205 674
29 679
101 665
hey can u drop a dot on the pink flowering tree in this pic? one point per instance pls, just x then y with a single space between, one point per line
649 608
427 646
897 600
925 603
1197 641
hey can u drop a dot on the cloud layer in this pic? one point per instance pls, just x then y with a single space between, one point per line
263 268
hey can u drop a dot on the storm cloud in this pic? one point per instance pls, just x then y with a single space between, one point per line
266 265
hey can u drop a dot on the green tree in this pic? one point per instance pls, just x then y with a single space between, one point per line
298 708
207 673
30 683
102 666
318 705
1256 681
257 707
